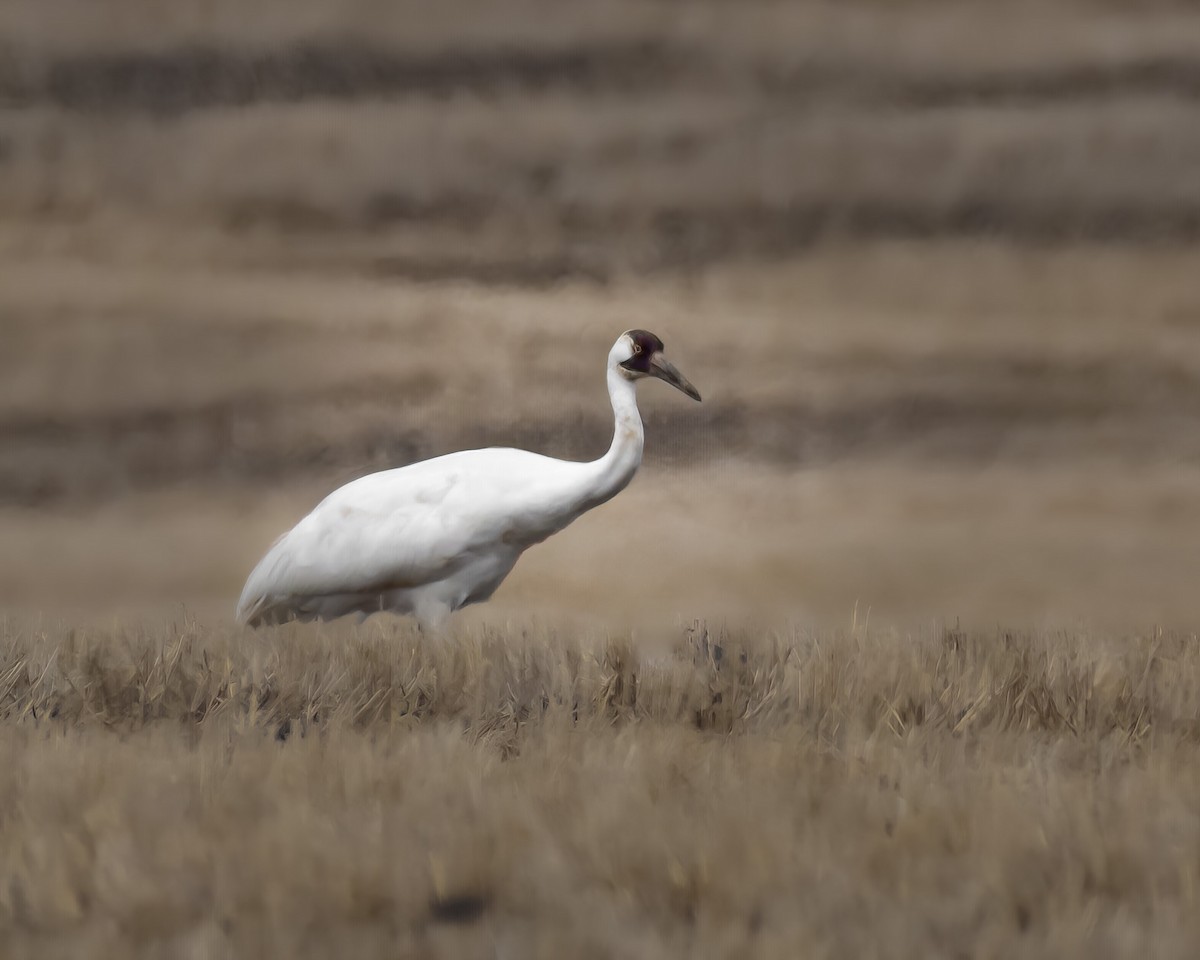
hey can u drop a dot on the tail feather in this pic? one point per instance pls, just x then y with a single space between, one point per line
270 610
252 611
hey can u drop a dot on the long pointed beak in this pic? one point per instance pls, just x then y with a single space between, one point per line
664 369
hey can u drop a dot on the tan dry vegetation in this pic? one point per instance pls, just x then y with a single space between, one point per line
929 432
187 792
536 141
932 265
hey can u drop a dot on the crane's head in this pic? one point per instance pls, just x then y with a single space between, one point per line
639 353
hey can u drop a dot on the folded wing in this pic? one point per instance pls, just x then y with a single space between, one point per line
383 532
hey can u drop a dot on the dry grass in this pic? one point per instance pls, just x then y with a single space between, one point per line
532 142
1001 434
932 265
190 793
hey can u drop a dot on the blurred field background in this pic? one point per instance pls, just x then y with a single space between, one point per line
933 266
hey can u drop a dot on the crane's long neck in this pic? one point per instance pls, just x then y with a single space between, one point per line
609 475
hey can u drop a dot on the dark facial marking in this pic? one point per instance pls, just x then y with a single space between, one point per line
644 345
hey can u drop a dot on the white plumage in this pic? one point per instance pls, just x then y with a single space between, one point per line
437 535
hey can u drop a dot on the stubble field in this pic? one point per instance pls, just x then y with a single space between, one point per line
888 650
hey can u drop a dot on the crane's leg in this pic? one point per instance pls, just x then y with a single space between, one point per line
431 615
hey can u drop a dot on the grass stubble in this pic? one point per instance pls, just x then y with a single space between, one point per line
202 792
1016 293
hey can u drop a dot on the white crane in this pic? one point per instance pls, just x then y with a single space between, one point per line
437 535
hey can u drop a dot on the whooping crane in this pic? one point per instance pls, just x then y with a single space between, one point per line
437 535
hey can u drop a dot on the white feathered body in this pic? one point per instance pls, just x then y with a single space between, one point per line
435 536
426 539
